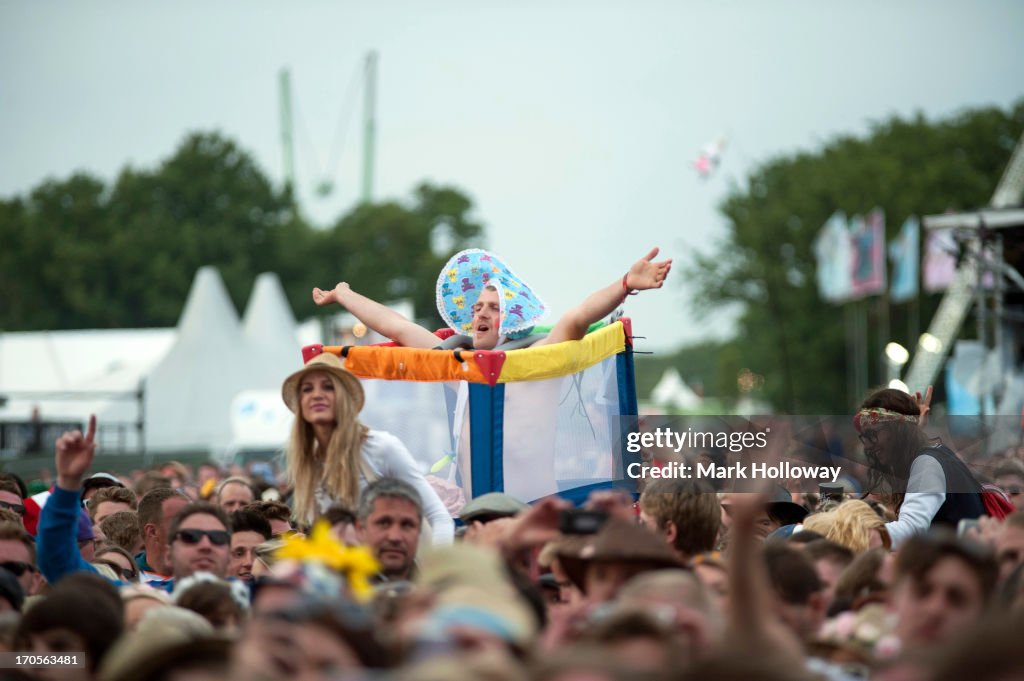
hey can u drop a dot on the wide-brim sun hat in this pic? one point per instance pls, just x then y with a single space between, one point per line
331 364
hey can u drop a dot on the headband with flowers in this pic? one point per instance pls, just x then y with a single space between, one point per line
871 417
355 563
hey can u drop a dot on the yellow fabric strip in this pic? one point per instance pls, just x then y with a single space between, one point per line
528 364
562 359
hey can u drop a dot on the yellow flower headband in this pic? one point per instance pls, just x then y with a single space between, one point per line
356 563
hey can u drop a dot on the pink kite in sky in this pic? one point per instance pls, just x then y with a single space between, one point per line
709 157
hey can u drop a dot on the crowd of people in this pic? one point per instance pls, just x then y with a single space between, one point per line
182 573
349 562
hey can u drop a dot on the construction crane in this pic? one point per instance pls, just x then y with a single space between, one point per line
966 289
291 118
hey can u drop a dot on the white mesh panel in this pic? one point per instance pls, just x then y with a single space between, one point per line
414 412
558 434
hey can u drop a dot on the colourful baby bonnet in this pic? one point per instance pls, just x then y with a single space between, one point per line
463 279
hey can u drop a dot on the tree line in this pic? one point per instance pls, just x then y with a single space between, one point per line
84 253
765 261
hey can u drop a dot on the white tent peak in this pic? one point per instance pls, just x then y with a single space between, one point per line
671 390
268 314
188 395
270 334
209 316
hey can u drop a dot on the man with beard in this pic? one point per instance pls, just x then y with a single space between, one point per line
389 523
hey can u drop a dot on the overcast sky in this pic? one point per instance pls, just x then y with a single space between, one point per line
571 125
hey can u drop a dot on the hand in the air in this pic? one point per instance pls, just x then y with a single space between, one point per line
321 297
924 404
646 274
74 455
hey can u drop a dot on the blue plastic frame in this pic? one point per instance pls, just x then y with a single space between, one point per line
486 422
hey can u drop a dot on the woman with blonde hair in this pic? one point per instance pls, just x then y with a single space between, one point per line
856 526
852 524
331 455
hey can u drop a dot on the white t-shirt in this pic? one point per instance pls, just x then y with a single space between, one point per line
386 457
926 492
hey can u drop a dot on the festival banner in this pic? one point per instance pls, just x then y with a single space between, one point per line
868 254
832 249
939 260
904 255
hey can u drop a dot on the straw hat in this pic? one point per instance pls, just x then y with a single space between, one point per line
329 363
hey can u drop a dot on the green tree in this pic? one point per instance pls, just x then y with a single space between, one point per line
86 255
765 262
388 251
208 204
50 254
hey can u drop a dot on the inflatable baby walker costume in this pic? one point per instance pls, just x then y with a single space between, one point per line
528 421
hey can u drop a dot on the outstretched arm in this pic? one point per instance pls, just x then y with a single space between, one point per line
644 274
380 318
57 548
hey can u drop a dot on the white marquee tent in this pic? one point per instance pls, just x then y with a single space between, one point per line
189 375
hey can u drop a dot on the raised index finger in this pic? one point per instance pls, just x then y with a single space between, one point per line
90 434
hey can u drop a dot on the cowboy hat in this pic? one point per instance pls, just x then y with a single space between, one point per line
328 363
619 541
781 507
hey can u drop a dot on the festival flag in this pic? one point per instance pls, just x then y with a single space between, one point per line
832 251
868 254
904 255
939 260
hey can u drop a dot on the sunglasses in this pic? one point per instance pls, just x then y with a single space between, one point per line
128 573
217 537
17 508
17 568
1014 489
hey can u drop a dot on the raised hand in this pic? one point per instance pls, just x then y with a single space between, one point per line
74 455
647 274
616 503
321 297
537 525
924 404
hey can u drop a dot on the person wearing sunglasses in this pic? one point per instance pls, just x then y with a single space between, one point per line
118 560
922 479
200 541
198 537
18 556
10 496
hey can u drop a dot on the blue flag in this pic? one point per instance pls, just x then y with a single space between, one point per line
904 255
832 249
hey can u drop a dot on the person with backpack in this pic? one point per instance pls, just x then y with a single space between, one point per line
925 481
